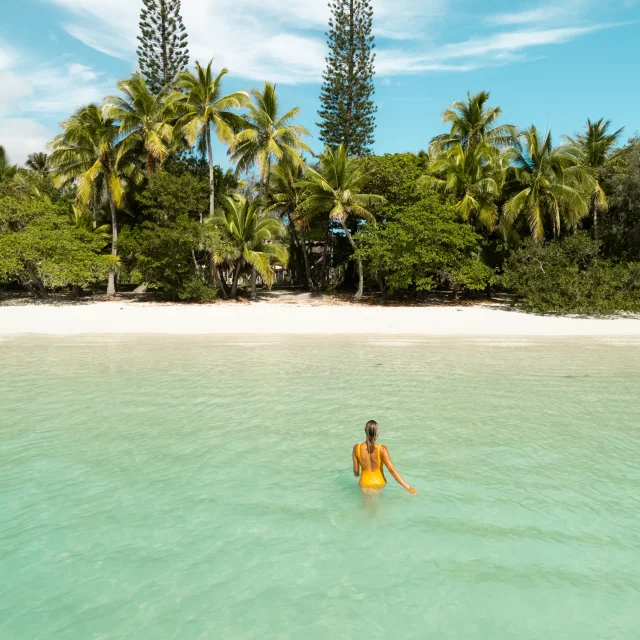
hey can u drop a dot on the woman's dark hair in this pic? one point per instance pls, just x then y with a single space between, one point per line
371 431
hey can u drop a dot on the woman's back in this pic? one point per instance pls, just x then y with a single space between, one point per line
370 461
372 475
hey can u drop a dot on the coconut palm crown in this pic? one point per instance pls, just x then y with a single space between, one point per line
595 150
203 110
547 186
256 236
471 179
269 136
144 119
473 123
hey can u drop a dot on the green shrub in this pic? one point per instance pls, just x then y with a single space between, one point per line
162 255
423 246
41 249
197 291
568 276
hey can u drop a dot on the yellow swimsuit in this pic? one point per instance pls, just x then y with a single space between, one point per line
371 479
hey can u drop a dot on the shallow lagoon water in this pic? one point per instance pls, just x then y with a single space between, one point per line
187 488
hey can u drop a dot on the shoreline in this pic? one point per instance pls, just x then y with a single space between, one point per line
120 317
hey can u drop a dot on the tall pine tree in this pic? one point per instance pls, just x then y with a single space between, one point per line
163 43
348 111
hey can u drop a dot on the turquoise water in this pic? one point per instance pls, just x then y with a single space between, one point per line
201 488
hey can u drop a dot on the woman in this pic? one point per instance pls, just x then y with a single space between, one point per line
371 456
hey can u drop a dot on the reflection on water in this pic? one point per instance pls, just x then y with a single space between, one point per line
202 488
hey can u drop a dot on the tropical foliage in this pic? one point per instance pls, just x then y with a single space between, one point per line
473 123
38 162
256 237
548 186
42 250
424 246
595 151
7 170
334 190
205 111
569 276
144 121
471 179
131 192
268 137
87 154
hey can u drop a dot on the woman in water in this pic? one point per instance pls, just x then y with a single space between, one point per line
370 457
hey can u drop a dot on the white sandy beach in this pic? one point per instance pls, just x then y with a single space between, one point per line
124 317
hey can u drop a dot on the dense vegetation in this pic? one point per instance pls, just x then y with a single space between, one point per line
130 197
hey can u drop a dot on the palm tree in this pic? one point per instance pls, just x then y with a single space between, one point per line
204 110
81 218
472 123
144 118
334 189
86 154
287 197
547 185
595 151
7 170
256 237
38 162
471 180
268 136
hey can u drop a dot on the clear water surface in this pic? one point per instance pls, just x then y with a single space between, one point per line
201 488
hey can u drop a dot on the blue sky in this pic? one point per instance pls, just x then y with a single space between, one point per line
543 61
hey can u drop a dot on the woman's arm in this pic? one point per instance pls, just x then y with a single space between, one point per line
356 464
386 458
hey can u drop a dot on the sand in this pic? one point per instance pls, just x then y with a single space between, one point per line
124 317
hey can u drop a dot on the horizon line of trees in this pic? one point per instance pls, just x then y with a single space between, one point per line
132 188
141 155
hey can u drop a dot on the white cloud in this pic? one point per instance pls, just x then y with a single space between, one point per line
538 15
81 72
499 49
511 41
60 89
22 136
565 13
51 89
285 41
15 88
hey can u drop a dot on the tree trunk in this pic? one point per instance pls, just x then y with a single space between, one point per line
111 287
236 275
302 245
383 289
223 284
35 279
254 277
323 268
211 177
360 291
93 206
27 284
595 219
